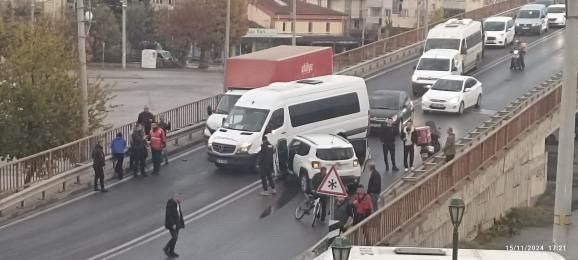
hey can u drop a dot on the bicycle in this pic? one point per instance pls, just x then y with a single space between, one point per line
311 203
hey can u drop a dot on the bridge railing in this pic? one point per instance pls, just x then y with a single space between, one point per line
26 171
375 49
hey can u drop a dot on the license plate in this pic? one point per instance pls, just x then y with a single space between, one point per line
437 106
221 161
491 41
375 125
525 28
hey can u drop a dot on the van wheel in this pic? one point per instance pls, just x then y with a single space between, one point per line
479 102
461 109
304 181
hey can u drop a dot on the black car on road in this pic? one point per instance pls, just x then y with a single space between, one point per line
386 103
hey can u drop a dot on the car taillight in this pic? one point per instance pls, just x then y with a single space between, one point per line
355 163
315 165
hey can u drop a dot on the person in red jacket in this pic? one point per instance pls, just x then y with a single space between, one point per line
362 205
157 142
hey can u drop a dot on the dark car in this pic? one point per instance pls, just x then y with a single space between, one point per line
385 103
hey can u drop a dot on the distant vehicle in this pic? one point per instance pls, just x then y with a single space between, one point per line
413 253
333 104
463 35
499 31
261 68
432 65
531 18
547 3
453 94
556 15
386 103
309 152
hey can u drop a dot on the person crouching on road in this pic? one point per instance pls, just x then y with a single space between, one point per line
118 147
173 222
157 140
98 163
265 163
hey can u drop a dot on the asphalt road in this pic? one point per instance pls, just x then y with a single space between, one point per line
226 219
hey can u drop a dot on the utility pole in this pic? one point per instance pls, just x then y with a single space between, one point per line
226 47
563 203
124 3
82 60
294 23
426 19
419 10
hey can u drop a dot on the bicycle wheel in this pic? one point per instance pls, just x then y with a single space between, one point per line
301 209
315 211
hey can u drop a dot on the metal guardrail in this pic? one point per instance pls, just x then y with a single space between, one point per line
358 55
27 171
477 147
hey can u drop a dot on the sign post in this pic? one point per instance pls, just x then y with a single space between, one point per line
332 186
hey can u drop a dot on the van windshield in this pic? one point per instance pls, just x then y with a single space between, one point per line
556 10
226 104
335 154
434 64
529 14
452 44
246 119
494 26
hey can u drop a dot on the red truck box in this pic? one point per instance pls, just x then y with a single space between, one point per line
278 64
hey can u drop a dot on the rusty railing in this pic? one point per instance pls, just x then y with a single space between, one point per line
378 48
26 171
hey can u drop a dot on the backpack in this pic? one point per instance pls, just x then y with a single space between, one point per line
363 207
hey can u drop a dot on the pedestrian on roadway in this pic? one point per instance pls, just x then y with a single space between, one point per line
146 118
265 163
409 138
118 147
362 204
450 147
374 185
173 222
98 163
166 126
139 151
157 142
390 132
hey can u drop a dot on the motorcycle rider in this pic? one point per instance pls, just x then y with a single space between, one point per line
522 48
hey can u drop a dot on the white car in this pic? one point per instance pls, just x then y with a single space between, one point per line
309 152
556 15
499 31
453 94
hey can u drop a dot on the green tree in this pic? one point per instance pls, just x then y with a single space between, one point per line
105 29
40 105
139 24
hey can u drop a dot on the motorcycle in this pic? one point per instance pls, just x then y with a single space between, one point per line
516 61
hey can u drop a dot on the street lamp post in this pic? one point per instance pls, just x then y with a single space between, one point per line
226 47
123 34
340 248
293 23
457 209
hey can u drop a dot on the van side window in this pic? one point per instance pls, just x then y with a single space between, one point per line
463 45
277 119
473 39
324 109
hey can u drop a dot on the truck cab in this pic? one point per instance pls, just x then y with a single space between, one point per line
218 114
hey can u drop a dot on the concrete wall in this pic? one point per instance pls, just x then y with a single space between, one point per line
516 178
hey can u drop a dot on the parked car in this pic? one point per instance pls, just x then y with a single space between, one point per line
386 103
309 152
453 94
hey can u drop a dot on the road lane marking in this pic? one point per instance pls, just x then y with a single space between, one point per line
93 193
208 209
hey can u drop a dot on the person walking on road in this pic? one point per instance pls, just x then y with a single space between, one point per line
374 185
157 140
388 140
266 167
118 147
450 147
409 138
98 166
139 151
173 222
146 118
166 126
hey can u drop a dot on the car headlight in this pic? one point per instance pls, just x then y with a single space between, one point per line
517 24
454 100
425 98
355 163
244 148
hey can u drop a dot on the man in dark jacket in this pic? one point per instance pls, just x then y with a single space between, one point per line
374 185
118 147
139 151
390 132
265 163
173 222
98 166
146 118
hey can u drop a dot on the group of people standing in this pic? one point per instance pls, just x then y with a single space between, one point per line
408 135
146 133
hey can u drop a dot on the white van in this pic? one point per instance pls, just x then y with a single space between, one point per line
333 104
499 31
556 15
433 65
463 35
